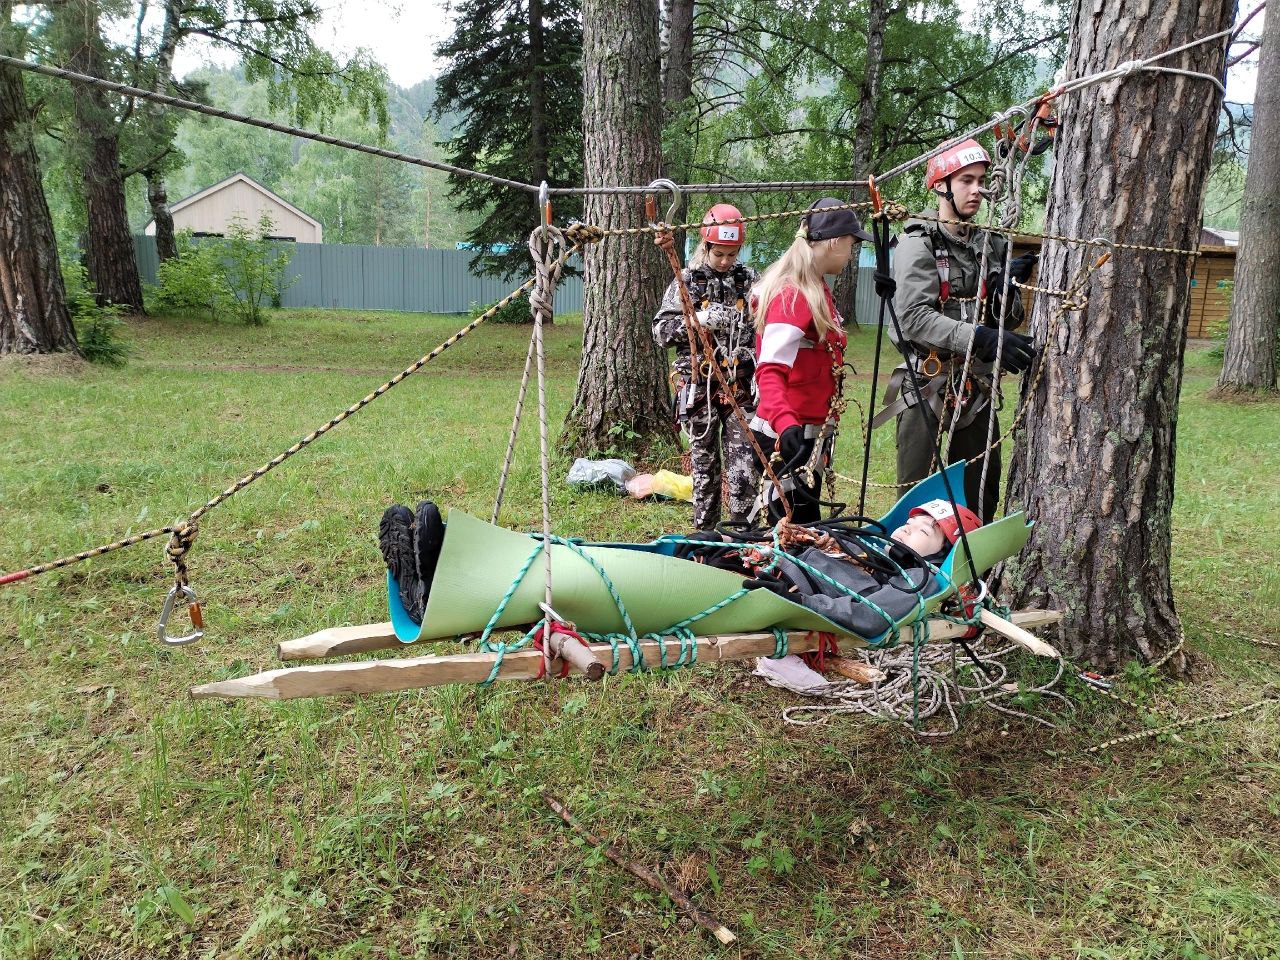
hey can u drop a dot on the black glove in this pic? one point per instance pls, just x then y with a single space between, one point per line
791 445
1016 355
1020 268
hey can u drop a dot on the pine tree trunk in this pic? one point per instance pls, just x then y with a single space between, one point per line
33 309
1250 361
109 255
1094 465
158 198
677 87
622 399
538 152
846 288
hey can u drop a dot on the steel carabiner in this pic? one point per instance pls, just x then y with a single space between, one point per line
193 610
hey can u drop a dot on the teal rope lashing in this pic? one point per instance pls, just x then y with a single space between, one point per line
500 650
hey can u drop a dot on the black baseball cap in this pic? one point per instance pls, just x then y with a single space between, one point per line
822 223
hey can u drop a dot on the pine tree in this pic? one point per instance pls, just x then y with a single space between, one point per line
515 76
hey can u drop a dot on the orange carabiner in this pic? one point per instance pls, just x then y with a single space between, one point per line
876 205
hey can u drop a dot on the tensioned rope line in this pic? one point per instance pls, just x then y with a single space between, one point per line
184 531
196 107
1021 109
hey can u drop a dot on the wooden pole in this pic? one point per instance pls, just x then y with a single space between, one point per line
653 879
413 673
1012 631
340 641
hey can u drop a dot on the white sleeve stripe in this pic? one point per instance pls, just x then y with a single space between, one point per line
780 344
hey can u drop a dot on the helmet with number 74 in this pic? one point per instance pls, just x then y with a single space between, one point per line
716 230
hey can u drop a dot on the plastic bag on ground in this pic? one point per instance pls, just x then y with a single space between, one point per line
664 483
592 473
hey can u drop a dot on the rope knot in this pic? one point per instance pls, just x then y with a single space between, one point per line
179 545
896 210
581 234
543 242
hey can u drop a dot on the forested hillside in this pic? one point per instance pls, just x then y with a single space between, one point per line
358 198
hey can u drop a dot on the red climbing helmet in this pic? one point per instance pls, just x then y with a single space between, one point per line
963 154
715 230
945 517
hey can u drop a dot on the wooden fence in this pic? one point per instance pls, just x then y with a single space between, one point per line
1210 287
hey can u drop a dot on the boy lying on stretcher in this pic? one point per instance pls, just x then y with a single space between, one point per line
825 563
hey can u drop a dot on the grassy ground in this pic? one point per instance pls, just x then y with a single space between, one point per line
137 822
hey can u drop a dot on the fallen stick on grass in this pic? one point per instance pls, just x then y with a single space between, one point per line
718 930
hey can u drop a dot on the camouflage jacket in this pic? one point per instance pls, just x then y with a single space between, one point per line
727 299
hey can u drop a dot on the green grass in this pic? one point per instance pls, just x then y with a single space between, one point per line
137 822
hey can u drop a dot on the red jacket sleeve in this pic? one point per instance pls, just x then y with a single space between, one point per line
785 324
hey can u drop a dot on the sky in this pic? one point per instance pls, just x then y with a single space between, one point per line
403 35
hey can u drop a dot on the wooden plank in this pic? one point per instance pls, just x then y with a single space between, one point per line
342 641
412 673
1018 634
339 641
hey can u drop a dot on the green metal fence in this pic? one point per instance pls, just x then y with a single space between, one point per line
411 279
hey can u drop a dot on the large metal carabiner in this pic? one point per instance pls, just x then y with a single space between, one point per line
193 609
663 183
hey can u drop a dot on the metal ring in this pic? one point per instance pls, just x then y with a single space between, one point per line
934 359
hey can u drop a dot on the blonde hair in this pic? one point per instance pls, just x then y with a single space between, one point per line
796 270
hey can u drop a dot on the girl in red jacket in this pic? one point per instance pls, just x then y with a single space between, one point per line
799 347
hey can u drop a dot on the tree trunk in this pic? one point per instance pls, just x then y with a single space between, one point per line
1250 360
33 309
1094 465
864 130
537 96
677 87
157 195
622 399
109 256
538 152
158 198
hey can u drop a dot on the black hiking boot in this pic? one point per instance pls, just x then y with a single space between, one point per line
428 539
396 539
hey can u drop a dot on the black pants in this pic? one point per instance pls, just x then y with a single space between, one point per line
916 450
803 497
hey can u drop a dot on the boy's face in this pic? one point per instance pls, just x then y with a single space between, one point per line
922 534
966 189
721 257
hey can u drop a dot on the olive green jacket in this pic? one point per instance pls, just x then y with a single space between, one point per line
926 322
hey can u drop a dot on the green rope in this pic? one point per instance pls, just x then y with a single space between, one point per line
781 643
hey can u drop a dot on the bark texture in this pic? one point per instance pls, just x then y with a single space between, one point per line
33 309
622 398
158 198
109 256
157 194
677 87
846 288
1249 363
1094 466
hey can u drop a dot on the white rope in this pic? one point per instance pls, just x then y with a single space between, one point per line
515 430
945 683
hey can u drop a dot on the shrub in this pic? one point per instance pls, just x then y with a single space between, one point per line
194 280
97 326
517 311
253 267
